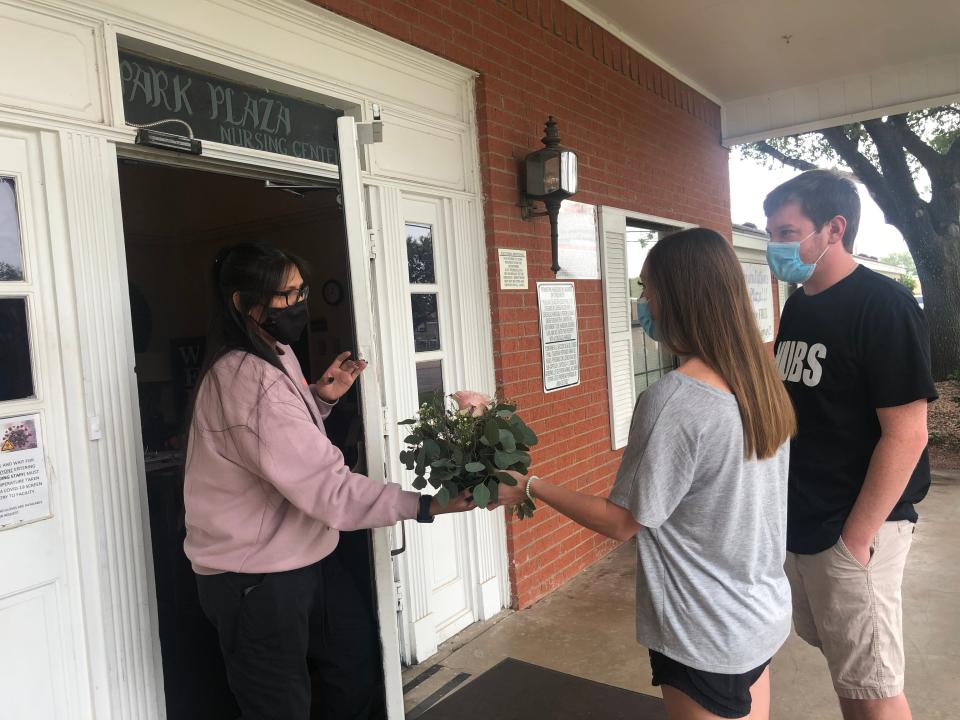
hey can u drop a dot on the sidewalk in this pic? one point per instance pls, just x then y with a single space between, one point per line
586 628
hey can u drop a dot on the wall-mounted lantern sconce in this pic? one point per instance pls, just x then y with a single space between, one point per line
550 176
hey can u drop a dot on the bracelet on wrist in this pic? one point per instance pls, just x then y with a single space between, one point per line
527 490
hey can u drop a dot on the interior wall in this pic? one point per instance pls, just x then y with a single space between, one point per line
171 240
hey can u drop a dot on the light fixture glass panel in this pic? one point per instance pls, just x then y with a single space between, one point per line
551 174
568 171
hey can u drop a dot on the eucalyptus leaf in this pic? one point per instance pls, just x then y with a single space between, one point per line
443 496
419 483
452 488
503 460
506 478
411 439
493 487
507 441
474 467
411 421
481 495
492 433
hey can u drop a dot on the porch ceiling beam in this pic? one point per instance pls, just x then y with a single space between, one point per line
886 91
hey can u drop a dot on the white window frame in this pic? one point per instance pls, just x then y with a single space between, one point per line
618 330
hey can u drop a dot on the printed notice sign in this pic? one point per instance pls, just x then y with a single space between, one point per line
559 341
513 269
761 295
24 492
578 247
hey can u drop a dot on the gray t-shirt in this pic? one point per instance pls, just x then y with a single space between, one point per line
711 590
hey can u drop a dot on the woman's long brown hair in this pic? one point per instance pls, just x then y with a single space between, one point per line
704 311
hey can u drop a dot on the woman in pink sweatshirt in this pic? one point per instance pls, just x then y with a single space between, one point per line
266 493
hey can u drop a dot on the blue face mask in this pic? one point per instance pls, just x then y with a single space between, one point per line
784 260
646 320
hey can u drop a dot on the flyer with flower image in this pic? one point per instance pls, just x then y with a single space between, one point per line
24 491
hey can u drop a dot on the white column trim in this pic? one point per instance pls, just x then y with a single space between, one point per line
115 472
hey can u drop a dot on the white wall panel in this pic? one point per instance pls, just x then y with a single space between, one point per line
63 78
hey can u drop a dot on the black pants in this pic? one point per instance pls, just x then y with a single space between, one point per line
276 628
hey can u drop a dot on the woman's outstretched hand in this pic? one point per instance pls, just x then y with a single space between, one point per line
339 377
510 495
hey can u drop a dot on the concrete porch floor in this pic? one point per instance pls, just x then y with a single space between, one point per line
586 628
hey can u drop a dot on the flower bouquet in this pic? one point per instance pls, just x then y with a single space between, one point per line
467 444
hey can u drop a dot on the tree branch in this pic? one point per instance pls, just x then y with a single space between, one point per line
928 157
876 185
768 149
893 162
953 156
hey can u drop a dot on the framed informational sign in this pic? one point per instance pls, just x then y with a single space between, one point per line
513 269
559 341
761 296
24 489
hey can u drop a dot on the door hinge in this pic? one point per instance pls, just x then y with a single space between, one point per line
372 237
398 594
371 132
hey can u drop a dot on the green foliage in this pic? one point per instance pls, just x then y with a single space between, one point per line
9 273
901 259
452 450
938 127
909 282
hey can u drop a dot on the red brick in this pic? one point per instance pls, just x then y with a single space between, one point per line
646 142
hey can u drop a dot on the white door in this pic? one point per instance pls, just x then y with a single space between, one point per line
422 330
42 657
370 348
406 357
444 542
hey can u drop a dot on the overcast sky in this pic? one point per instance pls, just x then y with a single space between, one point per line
750 182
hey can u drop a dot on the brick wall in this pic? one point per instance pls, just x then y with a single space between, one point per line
646 143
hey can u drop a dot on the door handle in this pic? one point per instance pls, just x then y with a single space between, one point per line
403 541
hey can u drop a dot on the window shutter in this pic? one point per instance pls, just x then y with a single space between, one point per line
616 304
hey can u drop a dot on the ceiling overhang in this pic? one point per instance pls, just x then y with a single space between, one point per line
778 68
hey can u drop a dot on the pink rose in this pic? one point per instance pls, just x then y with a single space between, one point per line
471 403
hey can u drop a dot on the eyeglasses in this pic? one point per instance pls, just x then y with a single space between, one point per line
294 296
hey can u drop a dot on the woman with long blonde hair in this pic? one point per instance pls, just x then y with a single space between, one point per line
702 486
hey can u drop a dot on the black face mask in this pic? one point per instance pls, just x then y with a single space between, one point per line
286 324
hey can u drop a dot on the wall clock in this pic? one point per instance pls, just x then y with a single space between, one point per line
332 292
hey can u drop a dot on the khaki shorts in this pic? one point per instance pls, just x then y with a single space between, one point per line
854 613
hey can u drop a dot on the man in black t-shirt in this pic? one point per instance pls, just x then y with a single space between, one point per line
853 352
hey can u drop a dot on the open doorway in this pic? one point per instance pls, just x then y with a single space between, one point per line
175 220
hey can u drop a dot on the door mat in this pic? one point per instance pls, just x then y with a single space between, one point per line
517 690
